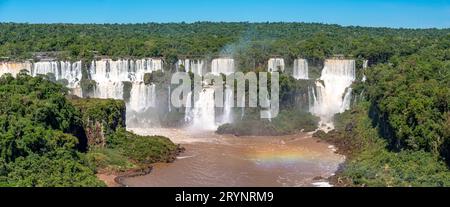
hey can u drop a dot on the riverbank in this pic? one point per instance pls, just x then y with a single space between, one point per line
114 179
127 154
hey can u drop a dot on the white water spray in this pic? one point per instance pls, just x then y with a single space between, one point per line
333 92
203 114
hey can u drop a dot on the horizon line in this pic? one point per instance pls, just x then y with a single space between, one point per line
227 22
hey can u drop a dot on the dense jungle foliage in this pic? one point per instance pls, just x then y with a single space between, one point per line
400 125
250 43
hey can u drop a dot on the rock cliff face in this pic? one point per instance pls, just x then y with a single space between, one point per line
100 118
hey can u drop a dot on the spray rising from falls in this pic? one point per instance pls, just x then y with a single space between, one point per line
202 115
332 94
301 69
276 64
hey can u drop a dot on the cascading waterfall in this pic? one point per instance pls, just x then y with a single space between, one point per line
188 110
142 97
144 66
203 114
46 67
228 106
14 67
276 64
222 65
365 65
62 70
301 69
110 76
71 72
333 93
195 66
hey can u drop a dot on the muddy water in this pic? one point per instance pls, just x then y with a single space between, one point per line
226 161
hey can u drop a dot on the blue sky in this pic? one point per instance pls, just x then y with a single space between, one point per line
394 13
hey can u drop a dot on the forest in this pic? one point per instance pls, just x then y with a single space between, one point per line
46 137
396 134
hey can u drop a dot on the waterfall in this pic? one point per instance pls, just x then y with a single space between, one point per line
144 66
301 69
332 94
188 110
107 70
365 65
203 112
62 70
222 65
14 67
194 66
71 72
46 67
110 75
276 64
228 106
142 97
109 90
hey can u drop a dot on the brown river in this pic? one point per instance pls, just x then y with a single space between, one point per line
212 160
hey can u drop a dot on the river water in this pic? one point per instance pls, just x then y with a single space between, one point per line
212 160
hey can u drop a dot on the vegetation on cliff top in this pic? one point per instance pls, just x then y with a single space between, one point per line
399 134
251 44
100 117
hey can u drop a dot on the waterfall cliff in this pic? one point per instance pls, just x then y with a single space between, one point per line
14 67
110 77
332 94
195 66
276 64
301 69
62 70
